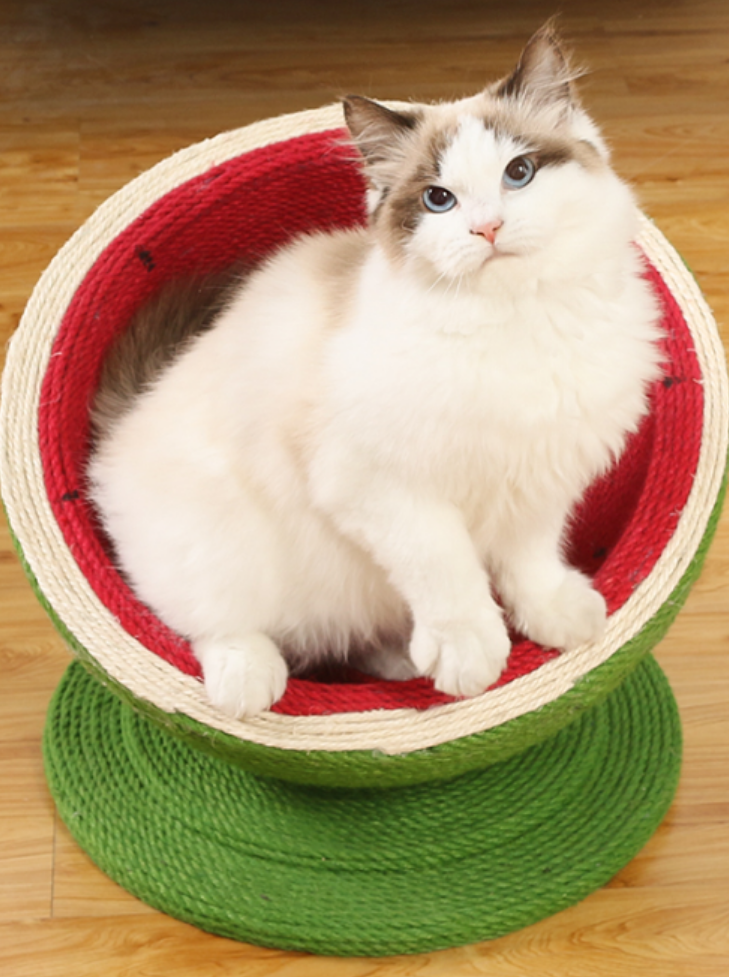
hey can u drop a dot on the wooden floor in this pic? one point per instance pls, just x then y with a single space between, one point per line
92 93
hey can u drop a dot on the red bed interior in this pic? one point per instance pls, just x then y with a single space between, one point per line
245 208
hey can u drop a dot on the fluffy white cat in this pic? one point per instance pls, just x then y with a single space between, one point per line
383 427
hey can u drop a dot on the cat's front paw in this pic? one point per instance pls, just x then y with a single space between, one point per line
462 658
244 677
572 614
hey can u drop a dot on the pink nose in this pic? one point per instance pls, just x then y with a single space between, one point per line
488 230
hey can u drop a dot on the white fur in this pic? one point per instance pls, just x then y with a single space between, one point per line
307 480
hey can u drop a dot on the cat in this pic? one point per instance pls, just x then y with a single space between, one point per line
361 442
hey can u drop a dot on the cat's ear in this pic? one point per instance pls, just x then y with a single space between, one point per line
543 72
376 129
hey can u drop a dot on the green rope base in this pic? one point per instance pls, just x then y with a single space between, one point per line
363 872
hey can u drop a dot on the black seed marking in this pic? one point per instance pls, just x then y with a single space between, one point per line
146 258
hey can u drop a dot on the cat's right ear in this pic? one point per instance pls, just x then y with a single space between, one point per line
376 129
543 71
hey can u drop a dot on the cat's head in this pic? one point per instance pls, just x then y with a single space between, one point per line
517 171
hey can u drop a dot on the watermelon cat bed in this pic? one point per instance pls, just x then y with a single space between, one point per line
358 816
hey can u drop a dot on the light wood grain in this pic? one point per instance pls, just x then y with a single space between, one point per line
92 94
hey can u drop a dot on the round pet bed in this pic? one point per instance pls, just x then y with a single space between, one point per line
194 811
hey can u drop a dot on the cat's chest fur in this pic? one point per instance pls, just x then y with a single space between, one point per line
472 387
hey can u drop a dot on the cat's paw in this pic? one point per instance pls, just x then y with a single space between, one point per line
573 614
462 658
242 678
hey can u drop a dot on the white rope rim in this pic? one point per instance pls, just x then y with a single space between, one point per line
150 678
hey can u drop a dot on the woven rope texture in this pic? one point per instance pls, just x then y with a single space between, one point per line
366 872
244 209
241 194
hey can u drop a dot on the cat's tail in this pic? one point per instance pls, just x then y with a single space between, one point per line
158 332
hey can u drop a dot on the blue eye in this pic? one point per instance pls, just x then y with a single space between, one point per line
519 173
439 200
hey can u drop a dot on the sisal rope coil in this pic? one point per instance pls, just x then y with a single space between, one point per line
363 873
379 736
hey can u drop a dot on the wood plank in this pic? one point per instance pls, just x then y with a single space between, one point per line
663 933
80 889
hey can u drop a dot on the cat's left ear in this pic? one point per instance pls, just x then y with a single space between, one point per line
542 72
376 129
